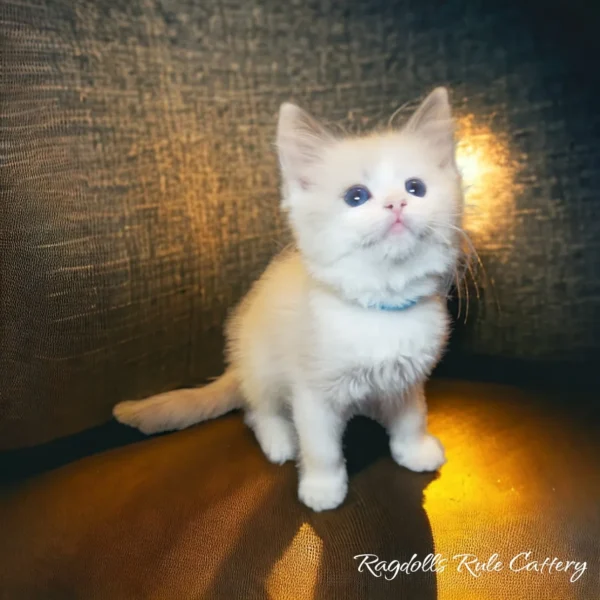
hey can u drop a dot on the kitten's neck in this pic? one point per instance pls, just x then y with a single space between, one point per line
371 283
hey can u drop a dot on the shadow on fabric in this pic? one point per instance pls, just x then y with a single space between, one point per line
295 553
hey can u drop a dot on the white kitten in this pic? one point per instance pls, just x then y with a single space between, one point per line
355 319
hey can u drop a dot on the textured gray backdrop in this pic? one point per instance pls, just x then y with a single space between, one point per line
139 189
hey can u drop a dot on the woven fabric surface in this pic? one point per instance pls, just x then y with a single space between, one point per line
139 187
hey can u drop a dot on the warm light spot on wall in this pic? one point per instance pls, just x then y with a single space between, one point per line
488 172
295 574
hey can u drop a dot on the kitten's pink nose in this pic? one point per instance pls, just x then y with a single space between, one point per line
396 206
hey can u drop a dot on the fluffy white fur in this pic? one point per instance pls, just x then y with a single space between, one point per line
306 350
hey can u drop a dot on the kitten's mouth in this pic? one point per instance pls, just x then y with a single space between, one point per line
397 226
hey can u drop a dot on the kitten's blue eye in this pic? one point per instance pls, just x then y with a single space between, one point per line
415 187
356 195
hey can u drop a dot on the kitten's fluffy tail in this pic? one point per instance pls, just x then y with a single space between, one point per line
181 408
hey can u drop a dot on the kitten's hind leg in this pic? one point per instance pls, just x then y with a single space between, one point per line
264 406
265 416
410 443
274 433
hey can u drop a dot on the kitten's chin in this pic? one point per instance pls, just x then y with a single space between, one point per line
397 245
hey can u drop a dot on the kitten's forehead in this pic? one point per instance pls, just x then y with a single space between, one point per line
382 157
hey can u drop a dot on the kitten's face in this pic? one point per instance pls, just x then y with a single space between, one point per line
385 195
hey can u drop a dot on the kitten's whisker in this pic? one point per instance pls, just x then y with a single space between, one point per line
469 267
458 292
335 125
438 235
466 269
468 301
459 277
390 122
473 252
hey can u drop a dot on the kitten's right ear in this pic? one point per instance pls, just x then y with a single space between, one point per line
433 121
433 111
300 143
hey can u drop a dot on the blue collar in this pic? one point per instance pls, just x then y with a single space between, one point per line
395 307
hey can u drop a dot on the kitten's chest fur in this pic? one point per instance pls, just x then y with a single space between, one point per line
366 353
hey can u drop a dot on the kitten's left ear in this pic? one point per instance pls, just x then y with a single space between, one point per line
300 142
433 120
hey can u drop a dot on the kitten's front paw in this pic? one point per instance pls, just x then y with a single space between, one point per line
323 491
423 454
